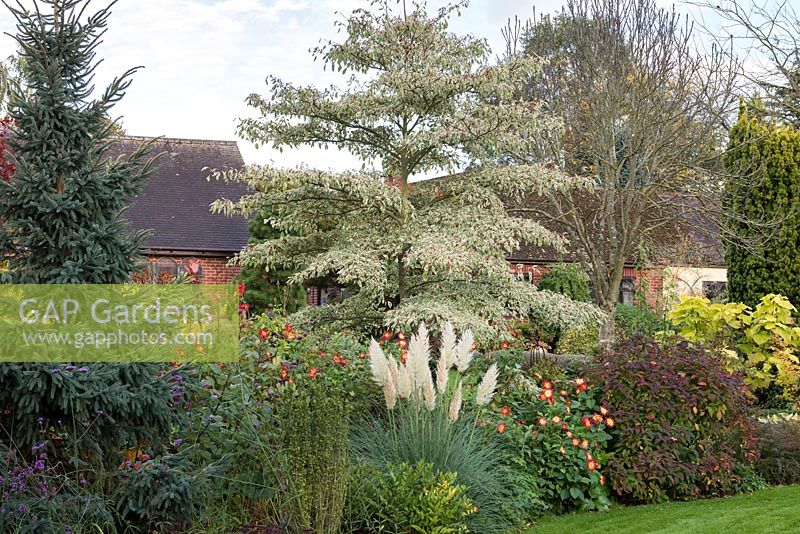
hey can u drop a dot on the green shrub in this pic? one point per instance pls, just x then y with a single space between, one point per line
408 499
684 429
311 455
637 320
579 341
779 443
97 410
159 490
558 435
568 279
253 421
415 436
434 421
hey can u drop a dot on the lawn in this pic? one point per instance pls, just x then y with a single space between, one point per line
771 510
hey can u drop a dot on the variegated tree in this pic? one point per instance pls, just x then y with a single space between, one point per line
417 101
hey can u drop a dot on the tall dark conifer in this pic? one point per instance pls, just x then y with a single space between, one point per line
62 223
763 192
62 210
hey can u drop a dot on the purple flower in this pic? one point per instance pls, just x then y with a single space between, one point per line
55 371
69 367
178 442
22 508
40 420
39 446
39 465
83 370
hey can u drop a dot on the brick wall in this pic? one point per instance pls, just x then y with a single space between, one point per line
217 271
648 281
214 270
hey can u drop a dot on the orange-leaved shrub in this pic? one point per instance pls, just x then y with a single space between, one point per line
683 429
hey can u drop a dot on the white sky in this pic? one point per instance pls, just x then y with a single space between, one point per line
203 57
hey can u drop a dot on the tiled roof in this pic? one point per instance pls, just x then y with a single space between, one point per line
690 239
175 202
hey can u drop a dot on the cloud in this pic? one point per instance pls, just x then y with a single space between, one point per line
203 57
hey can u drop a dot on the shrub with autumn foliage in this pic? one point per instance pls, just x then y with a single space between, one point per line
779 444
683 430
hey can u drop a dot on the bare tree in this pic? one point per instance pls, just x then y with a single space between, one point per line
644 114
766 33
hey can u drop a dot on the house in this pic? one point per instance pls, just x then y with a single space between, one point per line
682 258
185 235
174 208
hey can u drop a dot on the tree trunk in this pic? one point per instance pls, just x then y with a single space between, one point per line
607 329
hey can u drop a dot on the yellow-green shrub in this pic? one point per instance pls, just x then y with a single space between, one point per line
765 341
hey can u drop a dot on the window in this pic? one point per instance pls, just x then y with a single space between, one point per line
627 291
330 294
715 290
166 270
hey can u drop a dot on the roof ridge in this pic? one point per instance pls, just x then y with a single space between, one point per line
181 140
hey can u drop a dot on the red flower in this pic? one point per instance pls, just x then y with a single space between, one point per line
242 289
362 356
563 450
547 384
387 335
474 346
581 385
263 334
542 421
312 373
556 419
501 428
505 410
402 344
610 422
576 442
597 418
288 332
521 422
603 410
602 480
504 345
592 465
586 422
584 444
284 374
401 336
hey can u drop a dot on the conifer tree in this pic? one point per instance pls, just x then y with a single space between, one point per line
762 208
62 224
62 210
417 100
269 289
